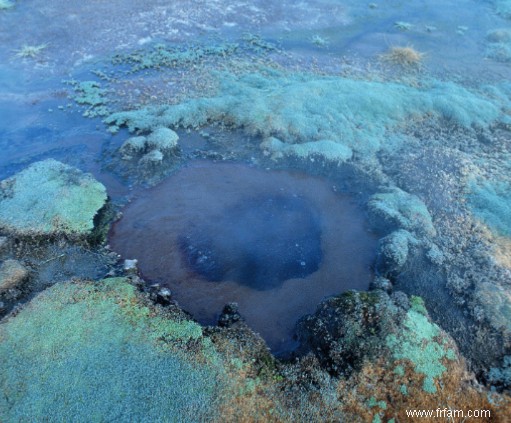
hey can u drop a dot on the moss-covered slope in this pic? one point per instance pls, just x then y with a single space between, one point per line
93 352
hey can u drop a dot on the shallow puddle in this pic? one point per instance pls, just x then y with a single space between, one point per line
275 242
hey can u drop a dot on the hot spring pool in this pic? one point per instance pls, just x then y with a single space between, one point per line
275 242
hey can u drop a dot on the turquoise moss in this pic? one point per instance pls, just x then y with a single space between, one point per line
162 139
374 403
503 8
419 342
49 198
93 351
164 56
6 4
490 201
399 209
325 149
301 108
499 47
393 251
399 370
500 52
501 375
90 94
404 390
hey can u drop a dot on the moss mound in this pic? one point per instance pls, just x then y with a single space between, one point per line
50 198
93 352
301 108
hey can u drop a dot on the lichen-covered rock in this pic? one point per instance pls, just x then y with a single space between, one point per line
50 198
152 148
98 352
385 357
162 139
393 251
347 329
133 147
153 158
355 327
12 275
495 302
4 243
397 209
422 345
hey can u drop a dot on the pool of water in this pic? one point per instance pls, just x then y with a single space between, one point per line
275 242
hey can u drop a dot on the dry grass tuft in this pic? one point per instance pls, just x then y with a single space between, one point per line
403 56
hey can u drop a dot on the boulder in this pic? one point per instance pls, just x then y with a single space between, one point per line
50 198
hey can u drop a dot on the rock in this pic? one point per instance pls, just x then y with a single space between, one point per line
50 198
12 275
401 300
153 158
382 283
162 139
123 338
397 209
230 315
132 147
393 251
164 296
152 148
347 329
130 266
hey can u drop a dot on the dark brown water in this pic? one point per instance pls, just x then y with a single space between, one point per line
275 242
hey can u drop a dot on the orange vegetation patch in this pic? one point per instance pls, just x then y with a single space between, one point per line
403 56
381 390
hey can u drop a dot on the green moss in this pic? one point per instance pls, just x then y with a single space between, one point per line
50 197
418 305
94 352
418 344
